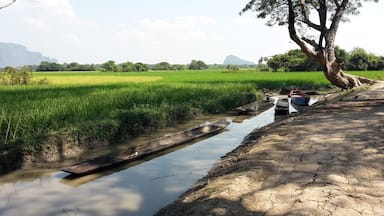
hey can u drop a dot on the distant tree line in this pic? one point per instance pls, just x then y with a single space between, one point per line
194 65
293 60
123 67
197 65
52 66
111 66
296 60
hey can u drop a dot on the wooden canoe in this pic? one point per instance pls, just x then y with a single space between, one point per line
282 106
253 108
151 147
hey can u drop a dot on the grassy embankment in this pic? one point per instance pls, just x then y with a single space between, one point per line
115 105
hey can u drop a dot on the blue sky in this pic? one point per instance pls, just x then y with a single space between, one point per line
151 31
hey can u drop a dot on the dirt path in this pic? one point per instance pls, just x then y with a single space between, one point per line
325 161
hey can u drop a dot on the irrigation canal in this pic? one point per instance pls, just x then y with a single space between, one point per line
139 189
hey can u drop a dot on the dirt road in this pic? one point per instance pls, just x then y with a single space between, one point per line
328 160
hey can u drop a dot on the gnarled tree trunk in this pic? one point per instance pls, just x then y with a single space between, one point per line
323 54
334 73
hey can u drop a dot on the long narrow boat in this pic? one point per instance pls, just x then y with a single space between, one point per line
254 107
282 106
151 147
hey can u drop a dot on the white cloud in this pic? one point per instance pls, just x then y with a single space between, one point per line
159 31
195 20
186 22
56 7
245 20
36 23
57 14
70 38
176 40
52 26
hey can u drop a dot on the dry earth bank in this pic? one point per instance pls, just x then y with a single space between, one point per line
327 160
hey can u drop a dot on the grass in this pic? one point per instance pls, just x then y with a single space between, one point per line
116 105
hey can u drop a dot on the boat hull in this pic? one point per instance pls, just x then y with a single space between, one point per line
151 147
300 101
282 107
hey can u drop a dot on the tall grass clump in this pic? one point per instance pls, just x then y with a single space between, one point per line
10 127
111 111
113 106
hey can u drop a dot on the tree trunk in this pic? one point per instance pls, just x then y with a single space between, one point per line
334 73
324 55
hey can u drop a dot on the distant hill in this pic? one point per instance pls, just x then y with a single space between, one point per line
234 60
17 55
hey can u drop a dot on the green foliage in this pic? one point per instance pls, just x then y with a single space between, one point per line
197 65
110 66
359 59
73 66
139 67
131 67
30 113
167 66
9 128
293 60
232 68
276 11
341 55
178 67
276 62
50 66
162 66
11 76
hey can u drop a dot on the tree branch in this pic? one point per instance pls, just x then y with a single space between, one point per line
323 21
338 15
304 12
247 7
293 34
336 3
331 34
311 42
13 1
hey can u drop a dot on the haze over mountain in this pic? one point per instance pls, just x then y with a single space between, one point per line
234 60
15 55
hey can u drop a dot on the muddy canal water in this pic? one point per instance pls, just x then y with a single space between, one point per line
139 189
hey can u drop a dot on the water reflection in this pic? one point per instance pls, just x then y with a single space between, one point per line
135 189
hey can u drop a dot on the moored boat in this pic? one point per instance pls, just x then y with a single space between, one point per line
151 147
299 98
282 106
253 108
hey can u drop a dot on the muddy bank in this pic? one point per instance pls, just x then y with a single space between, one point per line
324 161
64 148
58 148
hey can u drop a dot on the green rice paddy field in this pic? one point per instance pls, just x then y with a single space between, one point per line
116 105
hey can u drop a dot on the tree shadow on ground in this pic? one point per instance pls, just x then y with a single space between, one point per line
325 161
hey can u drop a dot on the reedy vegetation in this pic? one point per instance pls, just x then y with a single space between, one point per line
129 104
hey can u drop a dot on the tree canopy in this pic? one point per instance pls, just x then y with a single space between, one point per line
312 25
295 60
197 65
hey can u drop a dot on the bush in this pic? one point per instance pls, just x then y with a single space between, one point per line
232 68
11 76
